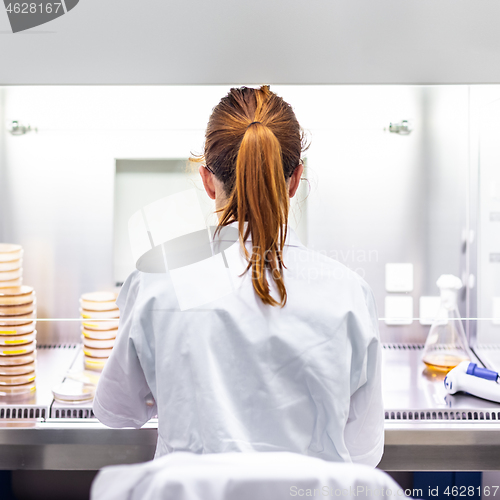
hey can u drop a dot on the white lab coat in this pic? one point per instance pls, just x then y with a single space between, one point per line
238 375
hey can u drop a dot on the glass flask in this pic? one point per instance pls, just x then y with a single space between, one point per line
446 345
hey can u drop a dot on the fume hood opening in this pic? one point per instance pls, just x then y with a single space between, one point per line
390 189
401 187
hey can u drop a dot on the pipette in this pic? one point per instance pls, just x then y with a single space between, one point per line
470 378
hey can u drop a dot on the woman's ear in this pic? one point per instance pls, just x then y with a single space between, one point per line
295 180
208 181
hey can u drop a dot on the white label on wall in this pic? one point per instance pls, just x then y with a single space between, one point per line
428 309
399 277
398 310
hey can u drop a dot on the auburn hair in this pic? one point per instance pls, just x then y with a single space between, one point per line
253 144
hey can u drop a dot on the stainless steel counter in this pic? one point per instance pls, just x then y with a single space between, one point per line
42 434
425 428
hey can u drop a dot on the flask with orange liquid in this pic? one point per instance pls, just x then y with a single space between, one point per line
446 345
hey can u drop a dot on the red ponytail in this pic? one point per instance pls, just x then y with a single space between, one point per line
253 144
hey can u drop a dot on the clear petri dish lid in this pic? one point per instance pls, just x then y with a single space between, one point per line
85 376
18 369
99 297
11 283
17 379
114 313
94 364
73 391
16 291
12 340
98 306
16 300
11 275
98 325
11 266
17 350
98 343
18 329
100 334
17 390
22 359
22 319
9 247
96 353
8 311
10 252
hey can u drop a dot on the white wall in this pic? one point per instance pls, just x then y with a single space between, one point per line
485 158
355 167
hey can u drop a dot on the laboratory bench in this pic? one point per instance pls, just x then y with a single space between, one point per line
425 428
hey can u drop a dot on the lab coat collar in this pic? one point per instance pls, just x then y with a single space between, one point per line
292 240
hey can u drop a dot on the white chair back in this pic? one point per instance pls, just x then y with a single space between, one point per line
242 476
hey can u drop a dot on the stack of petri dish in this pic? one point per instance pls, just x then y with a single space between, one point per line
99 328
17 341
11 265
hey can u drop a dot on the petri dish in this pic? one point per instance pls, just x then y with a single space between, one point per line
17 379
11 275
16 350
18 339
95 364
16 300
22 359
16 291
11 283
98 344
11 266
98 325
10 252
18 390
97 306
114 313
98 301
18 369
18 329
95 353
99 297
99 334
17 310
22 319
85 376
73 391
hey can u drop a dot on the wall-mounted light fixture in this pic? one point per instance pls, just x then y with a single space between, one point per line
16 128
404 127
